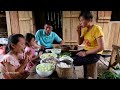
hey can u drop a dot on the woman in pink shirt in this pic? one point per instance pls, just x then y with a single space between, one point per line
11 66
31 45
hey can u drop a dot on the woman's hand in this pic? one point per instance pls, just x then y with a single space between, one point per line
82 53
79 27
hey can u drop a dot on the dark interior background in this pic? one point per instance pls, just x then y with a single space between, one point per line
115 15
3 25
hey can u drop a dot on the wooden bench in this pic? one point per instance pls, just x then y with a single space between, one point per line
115 57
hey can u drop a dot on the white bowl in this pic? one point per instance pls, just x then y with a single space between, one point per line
56 51
64 57
45 73
48 55
48 50
41 61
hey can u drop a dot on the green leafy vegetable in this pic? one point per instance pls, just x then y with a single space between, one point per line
109 75
65 53
45 67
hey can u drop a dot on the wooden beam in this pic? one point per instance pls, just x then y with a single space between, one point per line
116 47
8 22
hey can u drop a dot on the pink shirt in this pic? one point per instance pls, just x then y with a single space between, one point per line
12 60
30 64
27 49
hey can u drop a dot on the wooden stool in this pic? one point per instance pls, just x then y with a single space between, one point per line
90 70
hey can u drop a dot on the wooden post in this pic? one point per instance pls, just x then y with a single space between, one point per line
8 22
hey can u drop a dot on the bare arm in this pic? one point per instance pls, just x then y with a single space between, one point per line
21 69
36 45
23 65
12 73
80 39
38 56
100 47
62 42
34 58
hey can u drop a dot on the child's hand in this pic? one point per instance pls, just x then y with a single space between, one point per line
40 53
27 56
28 53
42 47
26 60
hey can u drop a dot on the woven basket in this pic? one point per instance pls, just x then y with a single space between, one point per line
65 73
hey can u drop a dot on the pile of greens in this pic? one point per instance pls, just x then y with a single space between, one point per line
65 53
117 68
109 75
44 67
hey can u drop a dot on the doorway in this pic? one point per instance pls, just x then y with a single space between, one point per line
3 25
55 16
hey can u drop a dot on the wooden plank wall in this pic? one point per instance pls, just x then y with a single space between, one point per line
102 18
14 22
114 34
26 26
70 22
22 22
19 22
111 29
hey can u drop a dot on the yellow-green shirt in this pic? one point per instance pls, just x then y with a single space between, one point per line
90 37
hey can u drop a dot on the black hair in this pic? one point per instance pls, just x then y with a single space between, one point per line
1 45
13 39
86 15
28 38
49 23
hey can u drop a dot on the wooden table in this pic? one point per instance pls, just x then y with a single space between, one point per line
34 75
